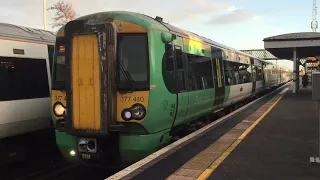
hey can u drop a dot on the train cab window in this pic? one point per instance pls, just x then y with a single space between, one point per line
180 69
23 78
169 57
59 67
178 53
173 70
200 72
132 51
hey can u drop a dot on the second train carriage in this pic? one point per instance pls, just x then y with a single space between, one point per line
123 82
25 81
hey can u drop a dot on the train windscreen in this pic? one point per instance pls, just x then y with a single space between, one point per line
133 62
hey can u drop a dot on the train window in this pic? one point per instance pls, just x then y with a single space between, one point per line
259 73
180 70
180 80
59 67
235 70
229 73
245 73
200 72
23 78
179 57
133 52
254 72
169 57
168 69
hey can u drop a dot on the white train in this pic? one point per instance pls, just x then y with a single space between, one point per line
25 79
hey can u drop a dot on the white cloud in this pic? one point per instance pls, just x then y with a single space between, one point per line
192 15
235 15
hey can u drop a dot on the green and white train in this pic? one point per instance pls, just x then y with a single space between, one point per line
124 83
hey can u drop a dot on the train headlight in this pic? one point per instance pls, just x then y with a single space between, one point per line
58 109
72 153
138 111
126 114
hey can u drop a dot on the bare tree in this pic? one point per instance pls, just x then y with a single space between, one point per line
64 13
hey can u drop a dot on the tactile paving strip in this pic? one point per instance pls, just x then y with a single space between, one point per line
198 164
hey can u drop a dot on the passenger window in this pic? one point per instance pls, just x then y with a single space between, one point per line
245 73
228 71
235 69
200 72
259 73
23 78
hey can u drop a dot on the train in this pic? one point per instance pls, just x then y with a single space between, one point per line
26 56
124 83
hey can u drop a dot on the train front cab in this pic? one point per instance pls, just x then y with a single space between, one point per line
97 116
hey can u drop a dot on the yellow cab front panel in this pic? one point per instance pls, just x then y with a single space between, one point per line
85 83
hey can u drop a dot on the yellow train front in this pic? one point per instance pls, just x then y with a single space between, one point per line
89 103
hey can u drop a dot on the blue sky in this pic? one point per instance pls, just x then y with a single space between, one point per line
241 24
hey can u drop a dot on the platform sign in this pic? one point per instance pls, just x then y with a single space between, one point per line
313 65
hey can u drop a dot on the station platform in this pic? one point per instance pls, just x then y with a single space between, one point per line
272 138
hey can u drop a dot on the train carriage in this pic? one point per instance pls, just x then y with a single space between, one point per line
25 58
124 83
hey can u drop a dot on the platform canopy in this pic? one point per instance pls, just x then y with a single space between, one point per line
261 54
294 46
307 44
266 55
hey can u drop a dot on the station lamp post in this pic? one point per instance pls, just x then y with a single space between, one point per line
45 14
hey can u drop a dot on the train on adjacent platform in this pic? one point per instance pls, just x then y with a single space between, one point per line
25 59
125 83
26 56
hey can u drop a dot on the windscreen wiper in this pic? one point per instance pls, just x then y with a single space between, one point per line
127 75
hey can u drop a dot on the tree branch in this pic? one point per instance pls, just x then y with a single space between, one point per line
64 13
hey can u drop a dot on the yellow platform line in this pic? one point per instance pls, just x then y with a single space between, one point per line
226 153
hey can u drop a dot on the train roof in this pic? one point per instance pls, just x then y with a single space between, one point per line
10 31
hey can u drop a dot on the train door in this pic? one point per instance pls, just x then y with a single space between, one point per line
182 96
90 76
218 75
253 75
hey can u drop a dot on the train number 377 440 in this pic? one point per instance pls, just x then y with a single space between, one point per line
59 98
130 99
